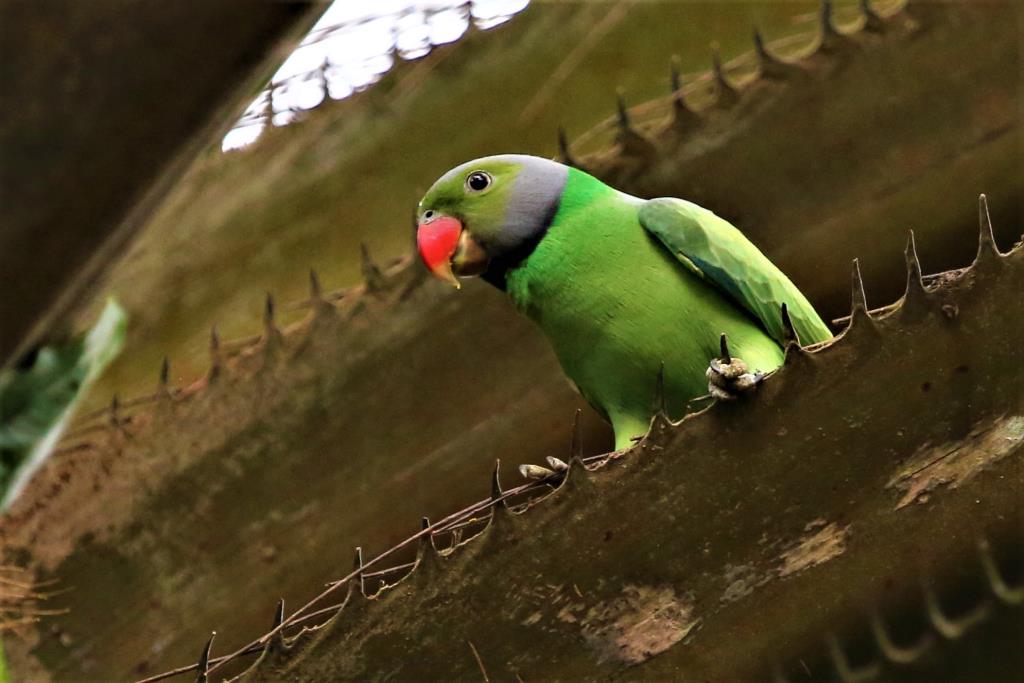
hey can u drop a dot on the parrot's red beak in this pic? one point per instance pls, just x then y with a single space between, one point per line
447 249
437 240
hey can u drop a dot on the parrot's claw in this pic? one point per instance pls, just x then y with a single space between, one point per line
557 464
535 472
556 467
727 381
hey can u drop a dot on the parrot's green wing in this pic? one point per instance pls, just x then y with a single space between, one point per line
718 252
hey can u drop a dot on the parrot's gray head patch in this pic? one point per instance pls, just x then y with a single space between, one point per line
530 208
535 197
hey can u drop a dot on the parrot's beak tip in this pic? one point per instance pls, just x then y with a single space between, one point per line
443 271
450 277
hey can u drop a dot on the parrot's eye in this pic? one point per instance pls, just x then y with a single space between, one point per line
428 215
478 181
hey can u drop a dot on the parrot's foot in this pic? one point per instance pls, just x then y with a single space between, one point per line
729 377
556 468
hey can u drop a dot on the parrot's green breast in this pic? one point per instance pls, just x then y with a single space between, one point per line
616 305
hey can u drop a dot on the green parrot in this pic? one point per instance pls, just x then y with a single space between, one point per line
626 290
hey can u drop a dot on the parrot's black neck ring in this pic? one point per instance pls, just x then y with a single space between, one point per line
497 271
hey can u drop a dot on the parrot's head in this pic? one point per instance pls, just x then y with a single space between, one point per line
487 215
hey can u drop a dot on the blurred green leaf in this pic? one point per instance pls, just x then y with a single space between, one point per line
37 399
